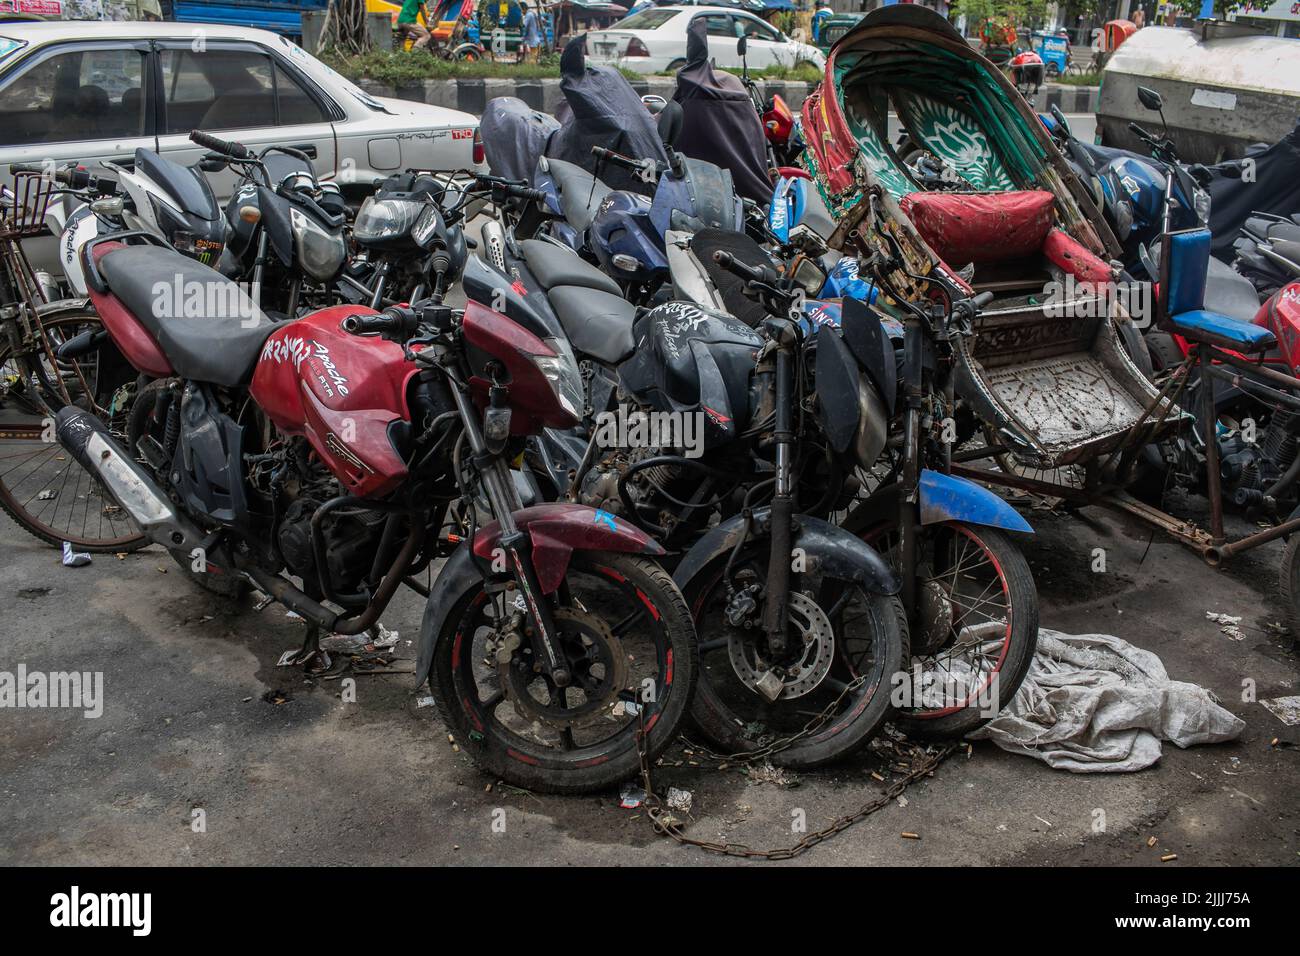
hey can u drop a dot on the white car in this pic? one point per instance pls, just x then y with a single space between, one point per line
654 41
89 91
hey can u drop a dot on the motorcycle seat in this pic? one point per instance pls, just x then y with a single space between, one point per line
581 193
1229 293
1200 325
597 323
205 324
553 266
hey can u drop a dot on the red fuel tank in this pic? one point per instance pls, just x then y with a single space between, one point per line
342 392
1281 316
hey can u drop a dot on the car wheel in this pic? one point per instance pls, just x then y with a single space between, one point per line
676 65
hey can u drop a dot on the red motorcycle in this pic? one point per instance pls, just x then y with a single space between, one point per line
349 449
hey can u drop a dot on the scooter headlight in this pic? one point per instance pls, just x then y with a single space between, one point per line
320 253
562 372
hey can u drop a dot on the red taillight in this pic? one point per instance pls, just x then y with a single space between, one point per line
478 148
636 48
778 121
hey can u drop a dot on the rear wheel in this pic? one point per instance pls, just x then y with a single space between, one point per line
1291 581
629 639
42 487
976 630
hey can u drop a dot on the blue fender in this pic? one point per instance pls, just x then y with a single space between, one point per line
949 498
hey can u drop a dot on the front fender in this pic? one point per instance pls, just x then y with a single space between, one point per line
828 549
949 498
557 530
942 498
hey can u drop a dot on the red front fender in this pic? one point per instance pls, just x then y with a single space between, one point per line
557 530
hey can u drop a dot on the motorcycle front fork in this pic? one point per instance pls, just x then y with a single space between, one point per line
781 516
503 500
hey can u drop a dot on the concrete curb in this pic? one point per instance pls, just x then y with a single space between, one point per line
472 95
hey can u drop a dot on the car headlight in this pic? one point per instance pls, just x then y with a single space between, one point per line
1201 202
380 220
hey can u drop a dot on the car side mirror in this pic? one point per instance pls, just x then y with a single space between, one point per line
742 45
1150 99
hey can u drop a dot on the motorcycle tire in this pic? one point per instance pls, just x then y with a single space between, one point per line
733 717
1016 653
1290 581
506 744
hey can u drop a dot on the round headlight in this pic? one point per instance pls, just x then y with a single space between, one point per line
380 220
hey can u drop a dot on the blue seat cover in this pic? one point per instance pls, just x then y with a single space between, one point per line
1202 326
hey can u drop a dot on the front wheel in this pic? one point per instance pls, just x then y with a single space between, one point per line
821 699
975 628
631 646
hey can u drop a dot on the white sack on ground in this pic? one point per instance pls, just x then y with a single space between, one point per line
1093 703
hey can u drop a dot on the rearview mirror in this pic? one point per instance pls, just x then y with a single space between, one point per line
741 46
1150 99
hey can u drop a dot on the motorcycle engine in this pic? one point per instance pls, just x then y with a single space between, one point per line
1250 468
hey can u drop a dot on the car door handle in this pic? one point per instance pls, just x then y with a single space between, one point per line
308 149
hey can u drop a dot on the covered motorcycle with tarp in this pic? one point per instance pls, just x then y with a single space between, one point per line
719 123
600 108
988 205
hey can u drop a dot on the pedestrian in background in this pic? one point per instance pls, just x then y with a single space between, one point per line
408 23
531 41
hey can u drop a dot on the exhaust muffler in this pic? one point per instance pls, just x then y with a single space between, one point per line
93 445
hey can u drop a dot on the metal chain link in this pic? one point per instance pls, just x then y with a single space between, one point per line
667 825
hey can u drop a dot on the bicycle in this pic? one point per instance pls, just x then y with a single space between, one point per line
53 352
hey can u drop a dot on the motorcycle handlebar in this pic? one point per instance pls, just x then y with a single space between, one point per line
509 188
395 320
618 159
224 147
743 270
73 177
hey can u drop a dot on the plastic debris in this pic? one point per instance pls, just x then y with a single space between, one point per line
47 495
287 659
74 559
631 796
680 800
1285 709
425 701
386 639
345 643
1227 624
910 836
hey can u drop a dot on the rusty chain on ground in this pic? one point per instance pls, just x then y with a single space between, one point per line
666 824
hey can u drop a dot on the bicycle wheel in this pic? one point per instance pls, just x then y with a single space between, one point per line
42 487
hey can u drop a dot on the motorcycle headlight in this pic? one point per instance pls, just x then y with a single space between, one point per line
1201 201
380 220
562 372
320 253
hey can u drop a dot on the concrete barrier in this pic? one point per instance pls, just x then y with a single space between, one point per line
472 95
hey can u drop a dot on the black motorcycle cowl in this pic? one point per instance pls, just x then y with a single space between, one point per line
514 136
719 123
730 286
208 464
838 408
602 109
521 304
275 220
689 359
187 189
868 342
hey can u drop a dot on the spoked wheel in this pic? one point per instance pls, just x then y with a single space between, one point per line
42 487
628 636
826 696
977 627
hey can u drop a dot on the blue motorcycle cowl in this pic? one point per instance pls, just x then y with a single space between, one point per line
827 550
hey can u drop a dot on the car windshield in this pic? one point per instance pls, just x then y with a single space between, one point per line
645 20
8 46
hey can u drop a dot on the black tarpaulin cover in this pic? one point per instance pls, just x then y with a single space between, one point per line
514 136
601 109
719 124
1275 189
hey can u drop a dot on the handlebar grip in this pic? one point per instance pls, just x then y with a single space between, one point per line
16 168
72 176
600 152
1139 131
981 300
395 320
224 147
743 270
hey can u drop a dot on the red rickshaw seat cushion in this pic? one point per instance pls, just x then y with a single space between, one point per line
981 227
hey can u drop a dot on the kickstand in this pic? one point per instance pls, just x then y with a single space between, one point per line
311 657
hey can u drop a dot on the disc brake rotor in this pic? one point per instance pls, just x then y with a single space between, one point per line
598 664
812 629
